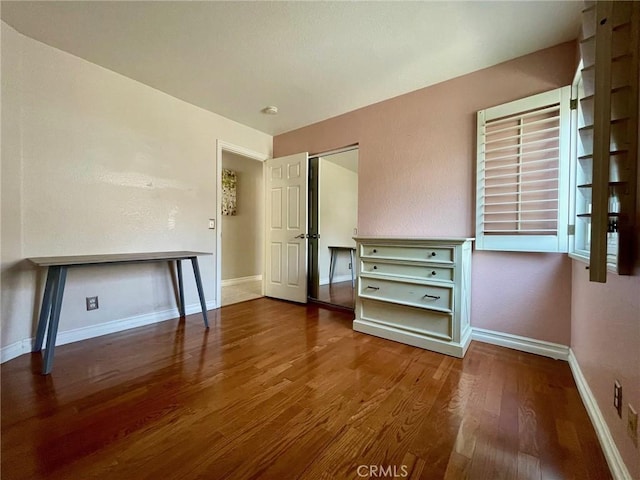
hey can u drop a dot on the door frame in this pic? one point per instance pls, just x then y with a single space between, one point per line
317 157
221 146
313 277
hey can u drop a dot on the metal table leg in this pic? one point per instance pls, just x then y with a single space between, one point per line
56 306
332 265
45 309
180 287
203 304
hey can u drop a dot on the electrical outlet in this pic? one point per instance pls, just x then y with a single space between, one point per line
617 397
92 303
632 424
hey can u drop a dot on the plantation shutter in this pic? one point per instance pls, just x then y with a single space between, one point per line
523 165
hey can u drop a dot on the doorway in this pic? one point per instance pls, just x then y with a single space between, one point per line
333 218
240 221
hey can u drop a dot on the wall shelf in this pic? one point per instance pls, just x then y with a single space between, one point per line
611 184
588 215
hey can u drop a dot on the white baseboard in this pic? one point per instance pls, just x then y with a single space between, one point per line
562 352
336 279
9 352
524 344
240 280
618 469
21 347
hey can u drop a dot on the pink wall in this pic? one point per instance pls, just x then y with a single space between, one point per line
605 338
523 293
416 178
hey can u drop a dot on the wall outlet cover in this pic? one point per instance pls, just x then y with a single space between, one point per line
617 397
92 303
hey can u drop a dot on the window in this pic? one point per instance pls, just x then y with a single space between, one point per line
554 171
582 166
582 172
524 174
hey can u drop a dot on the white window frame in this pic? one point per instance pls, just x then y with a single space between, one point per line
579 246
529 243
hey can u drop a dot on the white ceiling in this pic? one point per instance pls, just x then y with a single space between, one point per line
314 60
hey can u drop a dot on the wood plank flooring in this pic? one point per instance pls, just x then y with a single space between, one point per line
241 292
338 293
280 391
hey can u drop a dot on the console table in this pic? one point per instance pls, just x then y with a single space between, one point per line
57 275
332 263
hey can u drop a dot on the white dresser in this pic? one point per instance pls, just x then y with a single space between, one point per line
415 291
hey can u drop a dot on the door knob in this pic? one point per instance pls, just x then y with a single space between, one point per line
302 235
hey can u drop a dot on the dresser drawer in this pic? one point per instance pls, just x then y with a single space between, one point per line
417 295
418 253
416 320
422 272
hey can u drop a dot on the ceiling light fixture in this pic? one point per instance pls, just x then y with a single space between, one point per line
270 110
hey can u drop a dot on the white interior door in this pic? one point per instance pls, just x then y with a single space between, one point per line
286 228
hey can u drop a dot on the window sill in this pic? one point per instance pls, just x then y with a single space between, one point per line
579 257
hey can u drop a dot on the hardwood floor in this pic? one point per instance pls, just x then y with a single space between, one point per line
339 293
241 292
280 391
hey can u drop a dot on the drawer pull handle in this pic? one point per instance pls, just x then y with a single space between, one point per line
375 251
375 267
373 288
433 254
433 273
431 296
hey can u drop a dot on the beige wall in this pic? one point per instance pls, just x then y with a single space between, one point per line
243 234
338 201
93 162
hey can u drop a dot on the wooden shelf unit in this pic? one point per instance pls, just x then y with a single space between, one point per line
608 133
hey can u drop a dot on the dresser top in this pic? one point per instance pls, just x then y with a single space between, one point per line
396 239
